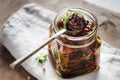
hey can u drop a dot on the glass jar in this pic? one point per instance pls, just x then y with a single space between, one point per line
75 55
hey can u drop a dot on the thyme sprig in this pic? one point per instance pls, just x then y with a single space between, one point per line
105 23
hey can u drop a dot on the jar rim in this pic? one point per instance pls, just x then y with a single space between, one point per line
86 13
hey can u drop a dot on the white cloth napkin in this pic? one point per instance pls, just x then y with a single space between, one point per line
25 30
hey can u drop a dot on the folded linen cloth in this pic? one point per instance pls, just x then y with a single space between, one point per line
25 30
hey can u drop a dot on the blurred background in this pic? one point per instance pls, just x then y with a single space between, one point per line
113 5
108 10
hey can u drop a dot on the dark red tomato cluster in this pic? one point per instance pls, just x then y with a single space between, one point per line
77 25
76 22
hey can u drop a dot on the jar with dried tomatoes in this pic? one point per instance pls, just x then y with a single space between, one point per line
77 51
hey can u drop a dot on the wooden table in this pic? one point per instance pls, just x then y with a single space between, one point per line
8 7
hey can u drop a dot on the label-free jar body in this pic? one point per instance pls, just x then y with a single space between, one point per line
75 55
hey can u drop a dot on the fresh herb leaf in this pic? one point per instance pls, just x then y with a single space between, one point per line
41 59
66 19
45 56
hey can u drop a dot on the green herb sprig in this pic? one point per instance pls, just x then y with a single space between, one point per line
41 59
106 22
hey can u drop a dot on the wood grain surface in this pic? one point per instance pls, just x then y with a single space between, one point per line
8 7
